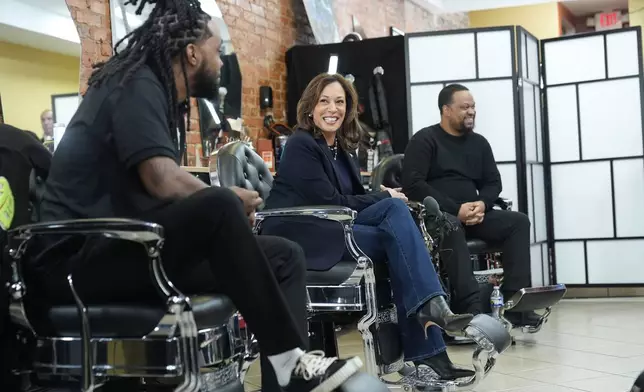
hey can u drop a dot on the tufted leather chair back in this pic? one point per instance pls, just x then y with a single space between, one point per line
238 165
388 173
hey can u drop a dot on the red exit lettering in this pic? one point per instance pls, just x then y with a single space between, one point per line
608 19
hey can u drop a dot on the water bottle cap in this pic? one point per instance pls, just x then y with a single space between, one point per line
496 287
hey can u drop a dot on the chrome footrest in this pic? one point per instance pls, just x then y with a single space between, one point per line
534 298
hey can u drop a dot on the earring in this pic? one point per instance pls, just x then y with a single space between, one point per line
310 114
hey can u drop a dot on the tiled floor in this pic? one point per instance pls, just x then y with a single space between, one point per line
588 345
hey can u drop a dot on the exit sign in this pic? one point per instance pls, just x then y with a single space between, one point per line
608 20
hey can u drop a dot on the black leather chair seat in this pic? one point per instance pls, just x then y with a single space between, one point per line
477 246
334 276
134 321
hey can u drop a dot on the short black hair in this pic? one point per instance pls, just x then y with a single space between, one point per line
171 26
446 96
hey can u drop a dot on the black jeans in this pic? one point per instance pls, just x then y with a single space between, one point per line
508 229
209 248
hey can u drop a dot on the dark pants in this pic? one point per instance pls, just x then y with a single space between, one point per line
508 229
209 248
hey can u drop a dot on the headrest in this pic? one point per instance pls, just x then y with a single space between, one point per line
388 172
238 165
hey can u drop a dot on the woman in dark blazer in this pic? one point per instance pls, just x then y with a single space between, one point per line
317 168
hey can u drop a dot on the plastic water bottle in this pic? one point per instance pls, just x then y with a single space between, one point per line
496 300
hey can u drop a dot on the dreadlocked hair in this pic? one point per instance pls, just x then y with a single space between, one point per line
171 26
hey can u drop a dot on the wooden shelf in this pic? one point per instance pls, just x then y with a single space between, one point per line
195 169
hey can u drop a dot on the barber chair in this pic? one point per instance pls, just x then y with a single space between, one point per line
639 384
181 342
357 286
388 172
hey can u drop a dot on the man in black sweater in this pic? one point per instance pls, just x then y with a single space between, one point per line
456 166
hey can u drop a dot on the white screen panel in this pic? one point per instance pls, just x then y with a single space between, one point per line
494 50
423 66
570 264
563 59
529 123
424 106
533 60
628 177
604 132
508 173
65 108
546 265
581 198
537 105
622 54
539 184
615 261
536 266
529 182
524 58
495 116
562 123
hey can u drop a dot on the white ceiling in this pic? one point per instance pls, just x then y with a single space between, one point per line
40 24
47 24
37 40
578 7
475 5
588 7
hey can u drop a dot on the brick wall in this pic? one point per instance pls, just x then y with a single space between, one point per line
377 16
92 19
261 32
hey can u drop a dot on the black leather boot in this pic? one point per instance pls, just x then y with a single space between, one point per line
443 366
437 312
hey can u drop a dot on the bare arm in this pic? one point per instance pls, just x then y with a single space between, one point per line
165 180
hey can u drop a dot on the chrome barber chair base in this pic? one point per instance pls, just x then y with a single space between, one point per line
151 357
363 382
491 338
422 379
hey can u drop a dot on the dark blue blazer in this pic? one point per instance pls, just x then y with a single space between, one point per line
307 177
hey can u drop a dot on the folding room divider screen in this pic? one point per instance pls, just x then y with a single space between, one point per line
500 66
593 91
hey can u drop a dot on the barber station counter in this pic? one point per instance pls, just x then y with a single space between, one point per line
204 174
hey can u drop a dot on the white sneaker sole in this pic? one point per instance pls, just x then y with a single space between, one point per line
350 368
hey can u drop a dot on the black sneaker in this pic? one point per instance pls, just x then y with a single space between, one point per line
316 373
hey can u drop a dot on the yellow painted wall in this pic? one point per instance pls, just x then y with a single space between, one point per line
28 78
636 12
542 20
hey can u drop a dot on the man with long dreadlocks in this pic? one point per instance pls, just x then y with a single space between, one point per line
119 158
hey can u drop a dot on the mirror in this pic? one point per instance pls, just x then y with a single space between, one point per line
219 115
39 67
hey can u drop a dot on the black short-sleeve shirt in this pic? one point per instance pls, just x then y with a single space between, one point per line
94 169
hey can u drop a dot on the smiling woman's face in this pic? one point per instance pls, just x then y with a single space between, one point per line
330 109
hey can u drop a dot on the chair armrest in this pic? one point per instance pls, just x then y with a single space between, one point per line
339 214
503 203
124 229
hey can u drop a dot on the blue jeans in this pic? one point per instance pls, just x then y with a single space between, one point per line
386 232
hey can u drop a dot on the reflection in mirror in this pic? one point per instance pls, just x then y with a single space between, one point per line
218 116
39 67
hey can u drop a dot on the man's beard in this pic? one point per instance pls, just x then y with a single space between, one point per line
462 128
206 84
